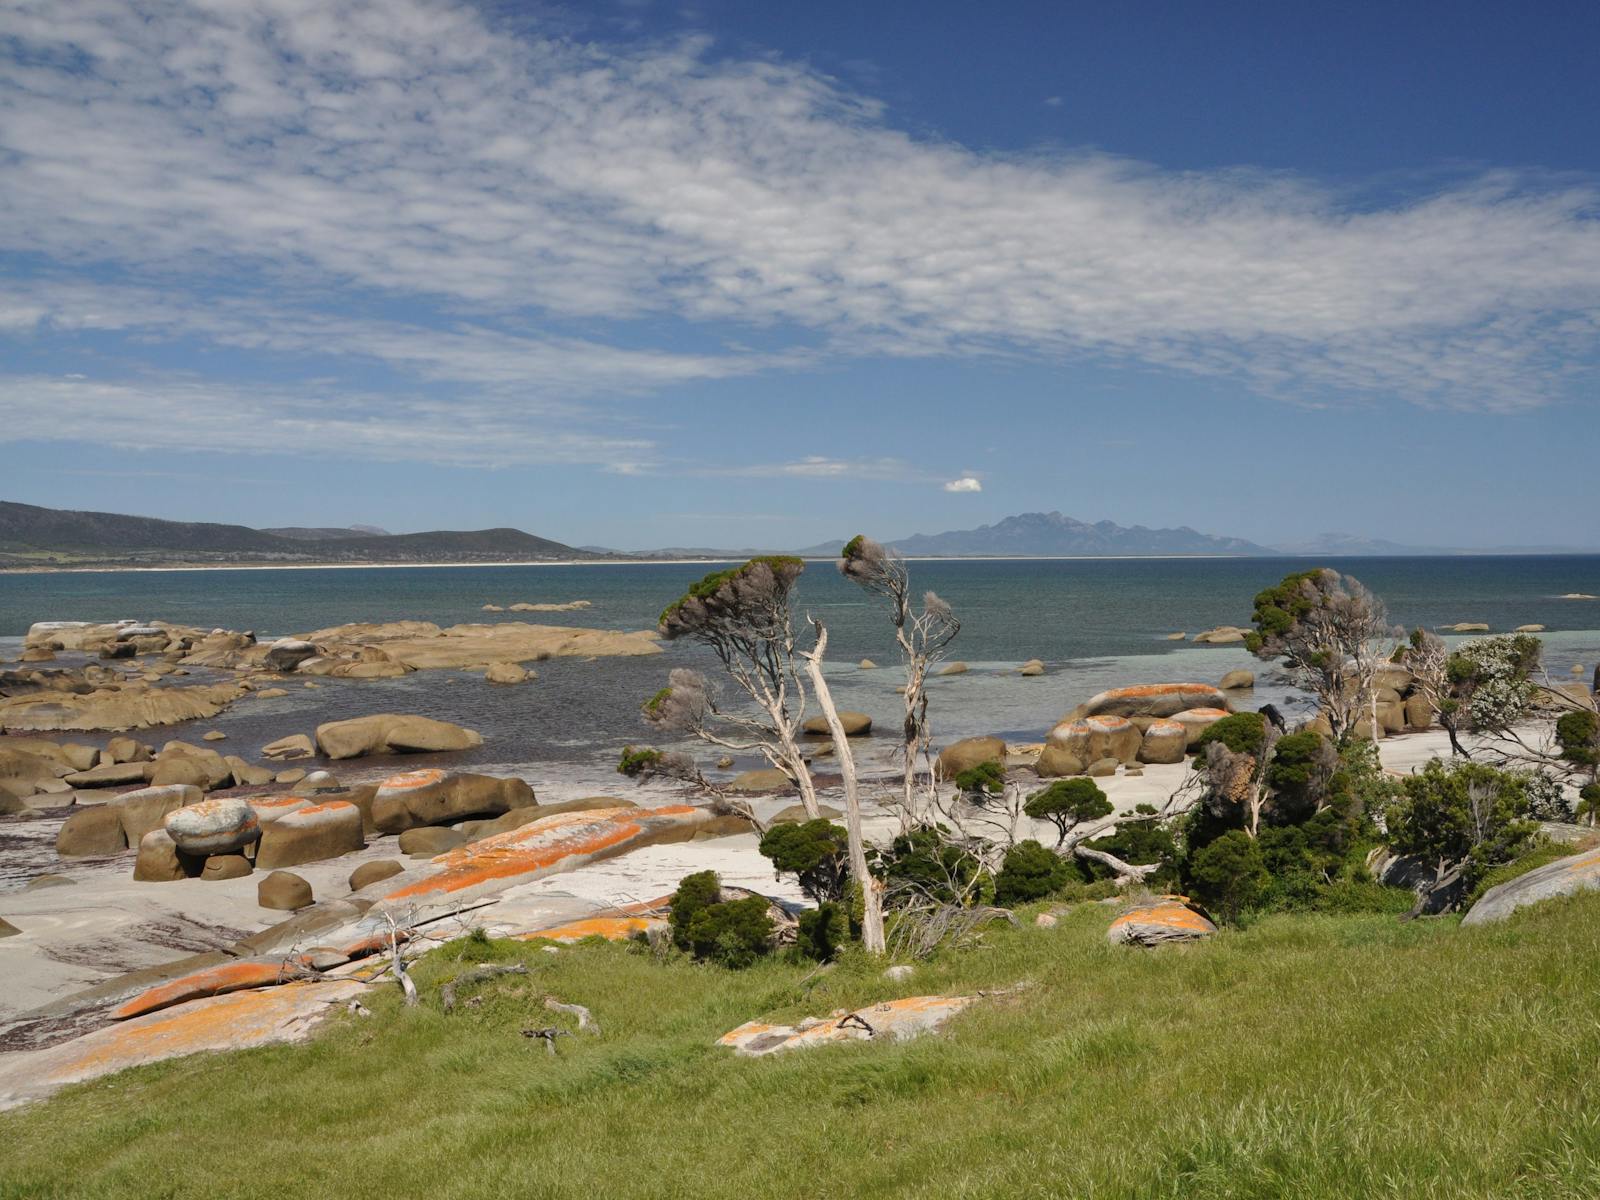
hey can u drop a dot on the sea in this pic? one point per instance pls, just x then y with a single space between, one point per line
1095 623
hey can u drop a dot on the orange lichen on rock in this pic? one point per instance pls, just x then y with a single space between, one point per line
613 929
552 844
408 780
214 981
228 1022
1169 919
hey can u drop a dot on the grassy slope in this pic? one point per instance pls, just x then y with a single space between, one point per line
1304 1057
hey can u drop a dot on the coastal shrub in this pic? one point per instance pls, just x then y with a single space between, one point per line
816 852
1141 843
1489 682
1589 802
823 932
1464 817
1300 773
1243 733
635 762
929 864
1067 803
1229 875
733 933
1030 872
985 779
742 592
695 892
1578 737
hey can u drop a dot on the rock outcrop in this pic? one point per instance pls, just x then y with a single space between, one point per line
893 1020
435 797
1098 737
1169 919
968 753
1564 877
392 733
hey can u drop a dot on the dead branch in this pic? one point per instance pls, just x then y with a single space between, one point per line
586 1021
549 1034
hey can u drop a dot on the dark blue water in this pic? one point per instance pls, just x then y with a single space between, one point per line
1096 623
1052 609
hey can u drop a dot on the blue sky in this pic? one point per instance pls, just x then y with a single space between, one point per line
642 274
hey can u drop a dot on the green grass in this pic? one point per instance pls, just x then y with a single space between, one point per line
1307 1056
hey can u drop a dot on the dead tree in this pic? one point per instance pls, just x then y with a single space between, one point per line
743 615
872 911
923 637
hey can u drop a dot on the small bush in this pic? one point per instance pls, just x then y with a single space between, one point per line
1243 733
634 762
1030 872
695 893
816 852
823 931
1067 803
1229 876
985 779
927 862
733 933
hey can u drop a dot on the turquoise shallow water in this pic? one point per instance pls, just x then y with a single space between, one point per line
1097 624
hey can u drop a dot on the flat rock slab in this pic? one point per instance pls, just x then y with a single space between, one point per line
554 844
1564 877
1166 920
213 981
613 929
231 1022
894 1019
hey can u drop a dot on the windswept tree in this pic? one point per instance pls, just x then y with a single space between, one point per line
923 636
743 615
1332 633
1427 658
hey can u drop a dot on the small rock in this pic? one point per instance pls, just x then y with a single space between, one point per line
1238 681
507 673
7 929
1529 629
159 861
213 735
225 866
1032 668
955 668
283 890
866 664
296 745
1046 921
856 724
725 762
899 972
1100 768
430 840
1176 637
49 881
371 872
292 775
321 781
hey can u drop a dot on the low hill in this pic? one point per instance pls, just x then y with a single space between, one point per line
35 536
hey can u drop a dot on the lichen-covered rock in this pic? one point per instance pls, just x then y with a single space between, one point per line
546 847
147 808
1564 877
968 753
227 1022
1153 700
1098 737
212 981
856 724
1164 742
283 890
219 825
1196 721
392 733
894 1020
91 831
1168 919
310 834
270 808
435 797
612 929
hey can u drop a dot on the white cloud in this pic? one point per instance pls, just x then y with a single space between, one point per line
966 483
537 205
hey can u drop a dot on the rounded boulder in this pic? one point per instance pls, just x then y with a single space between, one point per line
968 753
283 890
310 834
220 825
1164 742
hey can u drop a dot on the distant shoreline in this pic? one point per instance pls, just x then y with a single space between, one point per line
668 562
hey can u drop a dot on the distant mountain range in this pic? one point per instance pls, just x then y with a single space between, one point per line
48 537
33 536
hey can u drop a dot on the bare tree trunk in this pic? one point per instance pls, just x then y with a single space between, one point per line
872 911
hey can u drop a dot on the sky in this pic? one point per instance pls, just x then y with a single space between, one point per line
642 274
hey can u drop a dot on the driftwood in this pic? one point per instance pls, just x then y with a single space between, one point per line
586 1021
397 963
549 1034
447 994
